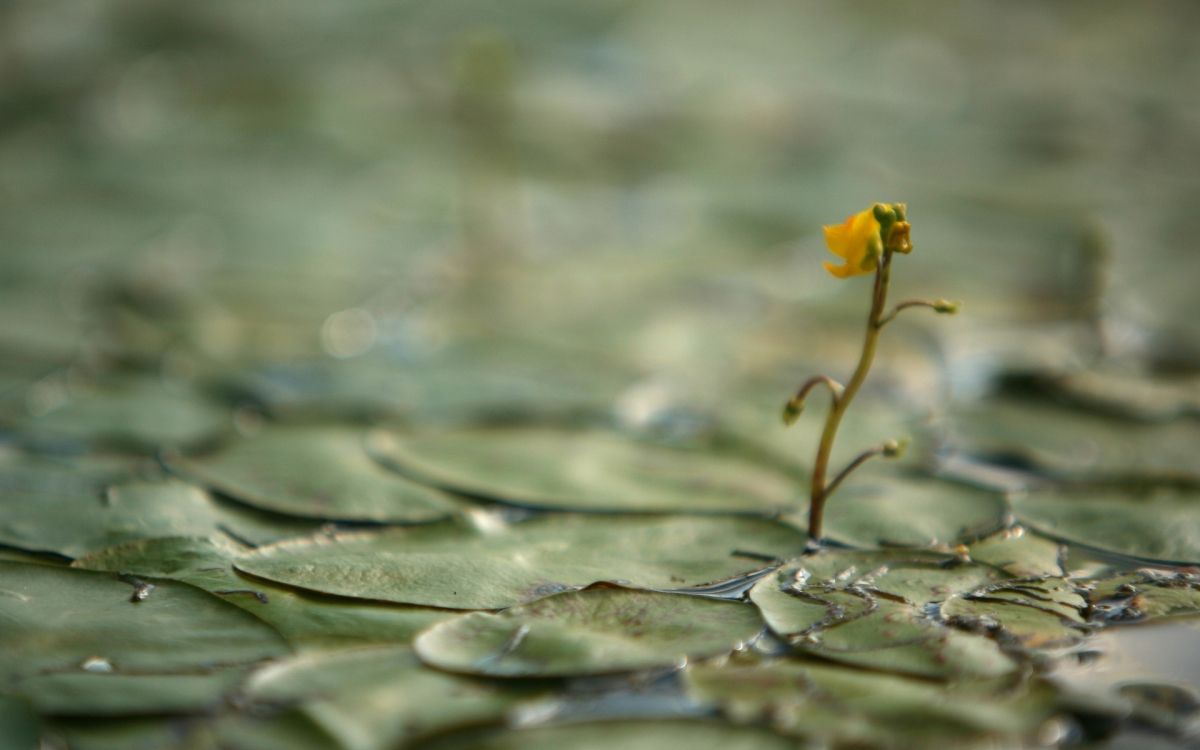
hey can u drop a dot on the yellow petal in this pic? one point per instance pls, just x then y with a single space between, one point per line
852 241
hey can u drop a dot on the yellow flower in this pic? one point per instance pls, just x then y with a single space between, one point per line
856 241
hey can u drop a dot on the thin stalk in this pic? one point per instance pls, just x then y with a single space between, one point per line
820 491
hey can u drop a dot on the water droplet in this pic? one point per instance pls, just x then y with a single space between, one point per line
97 664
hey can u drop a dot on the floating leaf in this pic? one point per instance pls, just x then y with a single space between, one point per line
853 708
485 567
1143 595
869 609
315 472
588 632
138 413
64 620
110 694
1037 613
376 698
305 618
694 734
887 509
1019 553
1076 444
1148 523
70 510
586 469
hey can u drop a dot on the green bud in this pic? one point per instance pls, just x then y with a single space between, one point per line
895 448
901 211
946 306
792 410
884 213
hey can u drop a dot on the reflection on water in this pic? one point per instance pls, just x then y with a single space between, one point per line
1153 671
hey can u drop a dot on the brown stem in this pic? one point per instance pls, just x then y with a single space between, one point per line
859 460
903 306
819 491
835 390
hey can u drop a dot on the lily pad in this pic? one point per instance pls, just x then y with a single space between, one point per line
60 620
586 469
137 413
628 735
109 694
1144 595
1036 613
1020 553
852 708
305 618
907 511
52 506
1147 523
595 631
314 472
869 609
376 698
1075 444
490 565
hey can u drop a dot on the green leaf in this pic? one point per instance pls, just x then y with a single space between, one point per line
1144 595
595 631
870 610
1147 523
307 619
1019 553
376 698
694 734
71 621
87 694
71 509
129 412
884 508
491 565
1075 444
314 472
853 708
586 469
19 726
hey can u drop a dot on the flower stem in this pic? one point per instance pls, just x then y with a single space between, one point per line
820 490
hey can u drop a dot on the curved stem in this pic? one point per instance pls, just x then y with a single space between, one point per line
819 491
835 389
858 461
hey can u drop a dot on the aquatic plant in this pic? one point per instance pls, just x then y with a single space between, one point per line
866 242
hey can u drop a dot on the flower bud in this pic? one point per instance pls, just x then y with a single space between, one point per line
884 213
894 448
946 306
792 410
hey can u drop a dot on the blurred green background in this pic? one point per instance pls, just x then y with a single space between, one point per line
641 186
